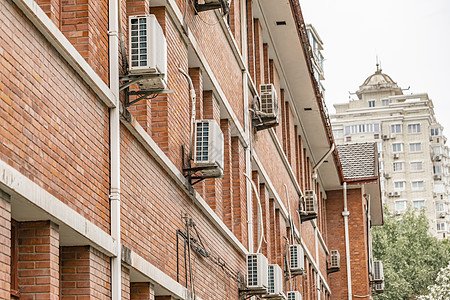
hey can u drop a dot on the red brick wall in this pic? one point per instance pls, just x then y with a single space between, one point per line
51 9
227 181
38 262
57 132
358 245
5 244
126 288
142 291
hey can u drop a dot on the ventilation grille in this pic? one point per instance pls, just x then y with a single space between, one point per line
377 270
266 103
335 259
252 267
202 144
294 295
294 257
139 32
271 288
310 201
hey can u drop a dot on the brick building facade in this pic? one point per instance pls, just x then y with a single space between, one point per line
94 199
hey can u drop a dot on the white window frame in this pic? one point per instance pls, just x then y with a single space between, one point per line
395 126
417 188
441 226
416 162
396 144
385 102
414 128
372 103
415 150
417 201
403 185
434 131
440 207
398 163
399 201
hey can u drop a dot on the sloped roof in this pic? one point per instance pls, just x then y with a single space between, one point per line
359 161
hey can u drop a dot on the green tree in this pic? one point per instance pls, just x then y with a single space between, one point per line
411 257
441 289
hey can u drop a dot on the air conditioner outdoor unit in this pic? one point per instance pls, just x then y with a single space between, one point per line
275 282
268 98
209 152
396 194
294 295
257 271
379 287
442 215
213 4
387 176
335 259
391 194
296 259
437 157
396 156
437 177
385 137
310 202
378 275
148 52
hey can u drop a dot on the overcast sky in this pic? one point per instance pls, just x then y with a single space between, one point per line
410 37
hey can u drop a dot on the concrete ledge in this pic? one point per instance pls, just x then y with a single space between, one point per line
16 183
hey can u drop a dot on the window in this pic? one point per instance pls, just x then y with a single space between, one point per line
399 185
440 207
416 166
437 150
434 131
413 128
397 147
441 226
398 166
417 185
400 205
418 204
371 103
338 133
437 169
347 129
396 128
376 136
348 138
415 147
385 102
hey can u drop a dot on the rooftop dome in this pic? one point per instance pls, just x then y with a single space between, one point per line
379 82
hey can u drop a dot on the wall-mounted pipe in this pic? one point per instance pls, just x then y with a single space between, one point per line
114 128
261 228
192 96
345 214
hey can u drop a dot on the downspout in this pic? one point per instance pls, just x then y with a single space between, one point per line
114 128
345 214
248 150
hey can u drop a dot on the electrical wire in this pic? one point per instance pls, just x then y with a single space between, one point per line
255 190
201 19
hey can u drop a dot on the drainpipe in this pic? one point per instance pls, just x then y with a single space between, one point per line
345 214
114 128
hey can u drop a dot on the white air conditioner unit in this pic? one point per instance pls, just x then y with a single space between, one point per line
268 98
396 156
378 275
387 176
442 215
275 282
209 152
296 259
379 287
335 259
391 194
437 177
294 295
437 157
397 213
257 271
385 137
396 194
148 52
310 201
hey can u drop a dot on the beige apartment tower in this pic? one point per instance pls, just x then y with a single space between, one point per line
413 156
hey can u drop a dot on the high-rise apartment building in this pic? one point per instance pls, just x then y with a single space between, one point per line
413 156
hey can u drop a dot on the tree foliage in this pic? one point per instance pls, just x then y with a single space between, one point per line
411 257
441 289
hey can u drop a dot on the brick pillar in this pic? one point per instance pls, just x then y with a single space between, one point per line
126 286
163 298
255 212
227 181
5 243
297 154
288 128
266 63
259 54
283 127
138 7
213 186
250 39
304 174
85 273
278 259
264 196
235 22
85 24
273 232
38 261
143 290
51 9
239 191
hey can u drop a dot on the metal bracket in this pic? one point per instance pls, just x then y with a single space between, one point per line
131 79
307 217
210 6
